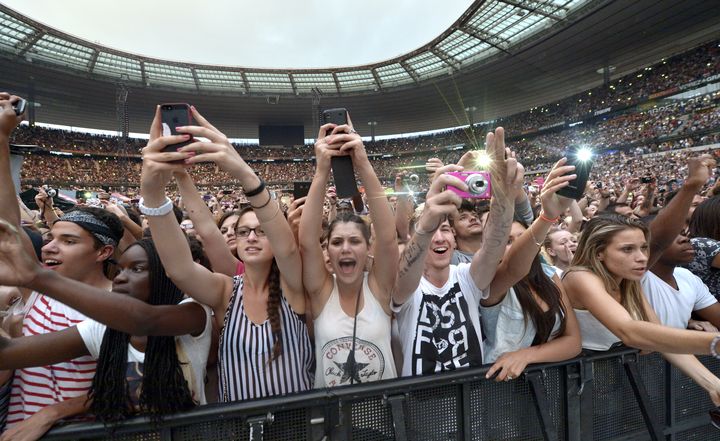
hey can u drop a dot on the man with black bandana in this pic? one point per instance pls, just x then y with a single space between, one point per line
82 241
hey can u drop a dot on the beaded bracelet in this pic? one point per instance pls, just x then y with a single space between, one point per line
714 343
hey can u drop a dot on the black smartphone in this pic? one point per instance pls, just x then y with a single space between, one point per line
342 167
20 106
300 189
646 180
175 115
582 160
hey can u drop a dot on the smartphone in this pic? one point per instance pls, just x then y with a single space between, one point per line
227 192
582 160
300 189
175 115
20 106
342 167
646 180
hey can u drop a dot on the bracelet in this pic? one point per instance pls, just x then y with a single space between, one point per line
162 210
263 205
256 191
273 216
547 219
538 243
714 343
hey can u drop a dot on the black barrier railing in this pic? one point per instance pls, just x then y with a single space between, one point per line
615 395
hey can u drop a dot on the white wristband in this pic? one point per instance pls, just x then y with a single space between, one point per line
162 210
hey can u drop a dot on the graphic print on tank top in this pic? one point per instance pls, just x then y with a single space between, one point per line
445 337
369 362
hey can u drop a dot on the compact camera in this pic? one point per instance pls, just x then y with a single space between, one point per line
51 192
478 183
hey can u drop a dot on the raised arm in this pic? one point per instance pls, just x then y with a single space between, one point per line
220 257
385 263
118 311
42 349
440 204
507 178
193 279
671 219
273 222
9 208
517 261
316 277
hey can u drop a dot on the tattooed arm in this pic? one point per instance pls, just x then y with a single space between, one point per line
439 205
507 178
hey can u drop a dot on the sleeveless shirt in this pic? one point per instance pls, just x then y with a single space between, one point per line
334 340
244 367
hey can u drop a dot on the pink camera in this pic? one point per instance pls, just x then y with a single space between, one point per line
478 183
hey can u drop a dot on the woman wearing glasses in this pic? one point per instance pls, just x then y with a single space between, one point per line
264 344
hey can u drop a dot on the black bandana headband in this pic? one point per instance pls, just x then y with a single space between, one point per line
92 225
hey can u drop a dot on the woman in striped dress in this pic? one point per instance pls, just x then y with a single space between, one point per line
264 344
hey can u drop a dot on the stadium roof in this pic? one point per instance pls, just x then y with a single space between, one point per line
555 62
486 28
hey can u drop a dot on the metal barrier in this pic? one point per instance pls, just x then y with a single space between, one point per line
615 395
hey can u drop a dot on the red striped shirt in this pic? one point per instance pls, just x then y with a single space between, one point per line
37 387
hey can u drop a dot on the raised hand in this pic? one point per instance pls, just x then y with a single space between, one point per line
700 169
507 173
324 150
218 150
17 268
440 202
158 166
552 204
8 119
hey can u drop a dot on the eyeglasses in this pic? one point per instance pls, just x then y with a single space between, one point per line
244 232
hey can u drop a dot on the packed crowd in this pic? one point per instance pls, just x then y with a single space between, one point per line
121 298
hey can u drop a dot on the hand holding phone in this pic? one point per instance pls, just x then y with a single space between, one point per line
342 167
175 115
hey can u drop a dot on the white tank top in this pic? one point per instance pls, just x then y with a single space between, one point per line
334 341
595 336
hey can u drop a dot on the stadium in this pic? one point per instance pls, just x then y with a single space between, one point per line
636 83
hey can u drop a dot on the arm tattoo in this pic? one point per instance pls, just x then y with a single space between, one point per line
411 254
499 223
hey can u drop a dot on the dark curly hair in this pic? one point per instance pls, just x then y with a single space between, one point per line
164 388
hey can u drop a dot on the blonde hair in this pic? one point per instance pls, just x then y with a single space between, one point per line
596 236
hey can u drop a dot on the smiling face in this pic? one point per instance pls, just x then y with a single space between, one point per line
133 277
347 250
626 256
441 247
72 251
253 247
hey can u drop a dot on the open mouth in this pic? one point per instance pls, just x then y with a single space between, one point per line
51 263
252 250
347 266
440 250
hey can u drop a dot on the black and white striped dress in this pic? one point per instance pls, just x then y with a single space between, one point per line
246 348
4 403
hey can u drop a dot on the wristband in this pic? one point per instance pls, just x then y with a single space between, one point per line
714 343
162 210
547 219
270 198
256 191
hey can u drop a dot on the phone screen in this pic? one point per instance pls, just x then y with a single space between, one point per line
583 164
300 189
175 115
342 167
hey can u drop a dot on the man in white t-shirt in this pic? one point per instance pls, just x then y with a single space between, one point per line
676 294
437 303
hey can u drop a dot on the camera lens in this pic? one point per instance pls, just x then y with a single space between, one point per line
413 179
52 192
476 184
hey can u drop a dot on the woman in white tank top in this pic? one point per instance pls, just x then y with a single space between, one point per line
351 308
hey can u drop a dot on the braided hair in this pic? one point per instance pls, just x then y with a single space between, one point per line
164 388
273 301
273 310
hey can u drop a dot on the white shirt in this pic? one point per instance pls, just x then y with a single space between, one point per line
196 350
675 306
440 326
